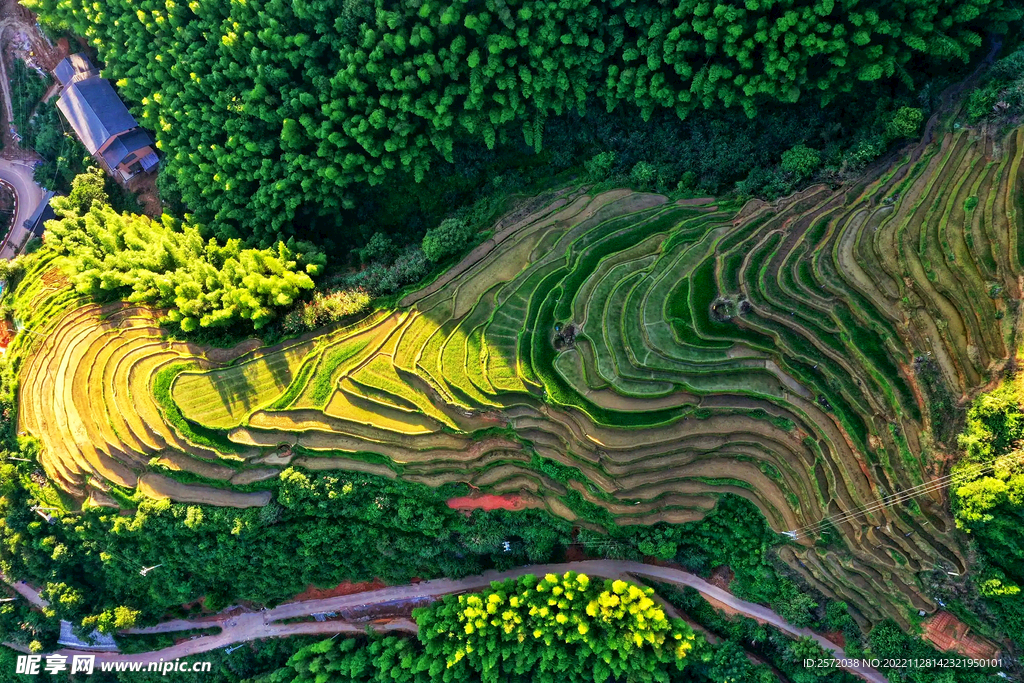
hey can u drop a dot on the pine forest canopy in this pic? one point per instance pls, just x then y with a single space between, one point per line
269 110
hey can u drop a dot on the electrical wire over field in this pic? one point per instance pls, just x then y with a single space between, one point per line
963 475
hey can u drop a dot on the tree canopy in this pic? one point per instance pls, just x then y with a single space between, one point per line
988 498
269 111
169 264
556 628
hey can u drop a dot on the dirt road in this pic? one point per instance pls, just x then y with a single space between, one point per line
28 592
4 82
253 625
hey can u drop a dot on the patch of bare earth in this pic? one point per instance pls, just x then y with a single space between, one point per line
343 588
144 187
486 502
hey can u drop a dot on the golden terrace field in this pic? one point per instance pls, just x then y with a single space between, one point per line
801 355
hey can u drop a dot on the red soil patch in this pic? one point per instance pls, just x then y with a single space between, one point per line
343 588
836 637
722 607
6 333
947 632
486 502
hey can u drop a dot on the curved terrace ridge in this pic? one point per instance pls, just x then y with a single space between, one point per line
792 354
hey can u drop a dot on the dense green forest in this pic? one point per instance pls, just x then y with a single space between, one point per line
277 117
27 88
988 501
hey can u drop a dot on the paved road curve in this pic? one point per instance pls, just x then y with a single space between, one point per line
29 195
28 592
241 627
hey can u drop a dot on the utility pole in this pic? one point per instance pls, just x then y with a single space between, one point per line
38 509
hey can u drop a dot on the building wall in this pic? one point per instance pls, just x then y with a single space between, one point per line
139 154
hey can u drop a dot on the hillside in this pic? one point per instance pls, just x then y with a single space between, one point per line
807 355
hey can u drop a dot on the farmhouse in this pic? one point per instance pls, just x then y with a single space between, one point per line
101 121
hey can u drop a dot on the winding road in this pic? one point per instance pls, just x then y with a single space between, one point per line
28 196
245 626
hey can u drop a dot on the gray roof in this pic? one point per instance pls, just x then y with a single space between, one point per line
97 641
37 221
125 144
149 161
69 67
94 110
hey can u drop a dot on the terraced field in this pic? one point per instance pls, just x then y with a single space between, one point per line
804 355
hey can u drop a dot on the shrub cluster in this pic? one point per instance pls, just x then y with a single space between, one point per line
448 238
1001 93
326 308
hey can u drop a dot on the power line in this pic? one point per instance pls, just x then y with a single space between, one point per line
903 496
885 501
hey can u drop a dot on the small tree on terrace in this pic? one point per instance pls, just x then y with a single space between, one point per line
801 160
905 123
446 239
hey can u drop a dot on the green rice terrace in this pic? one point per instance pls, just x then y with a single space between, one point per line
797 354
